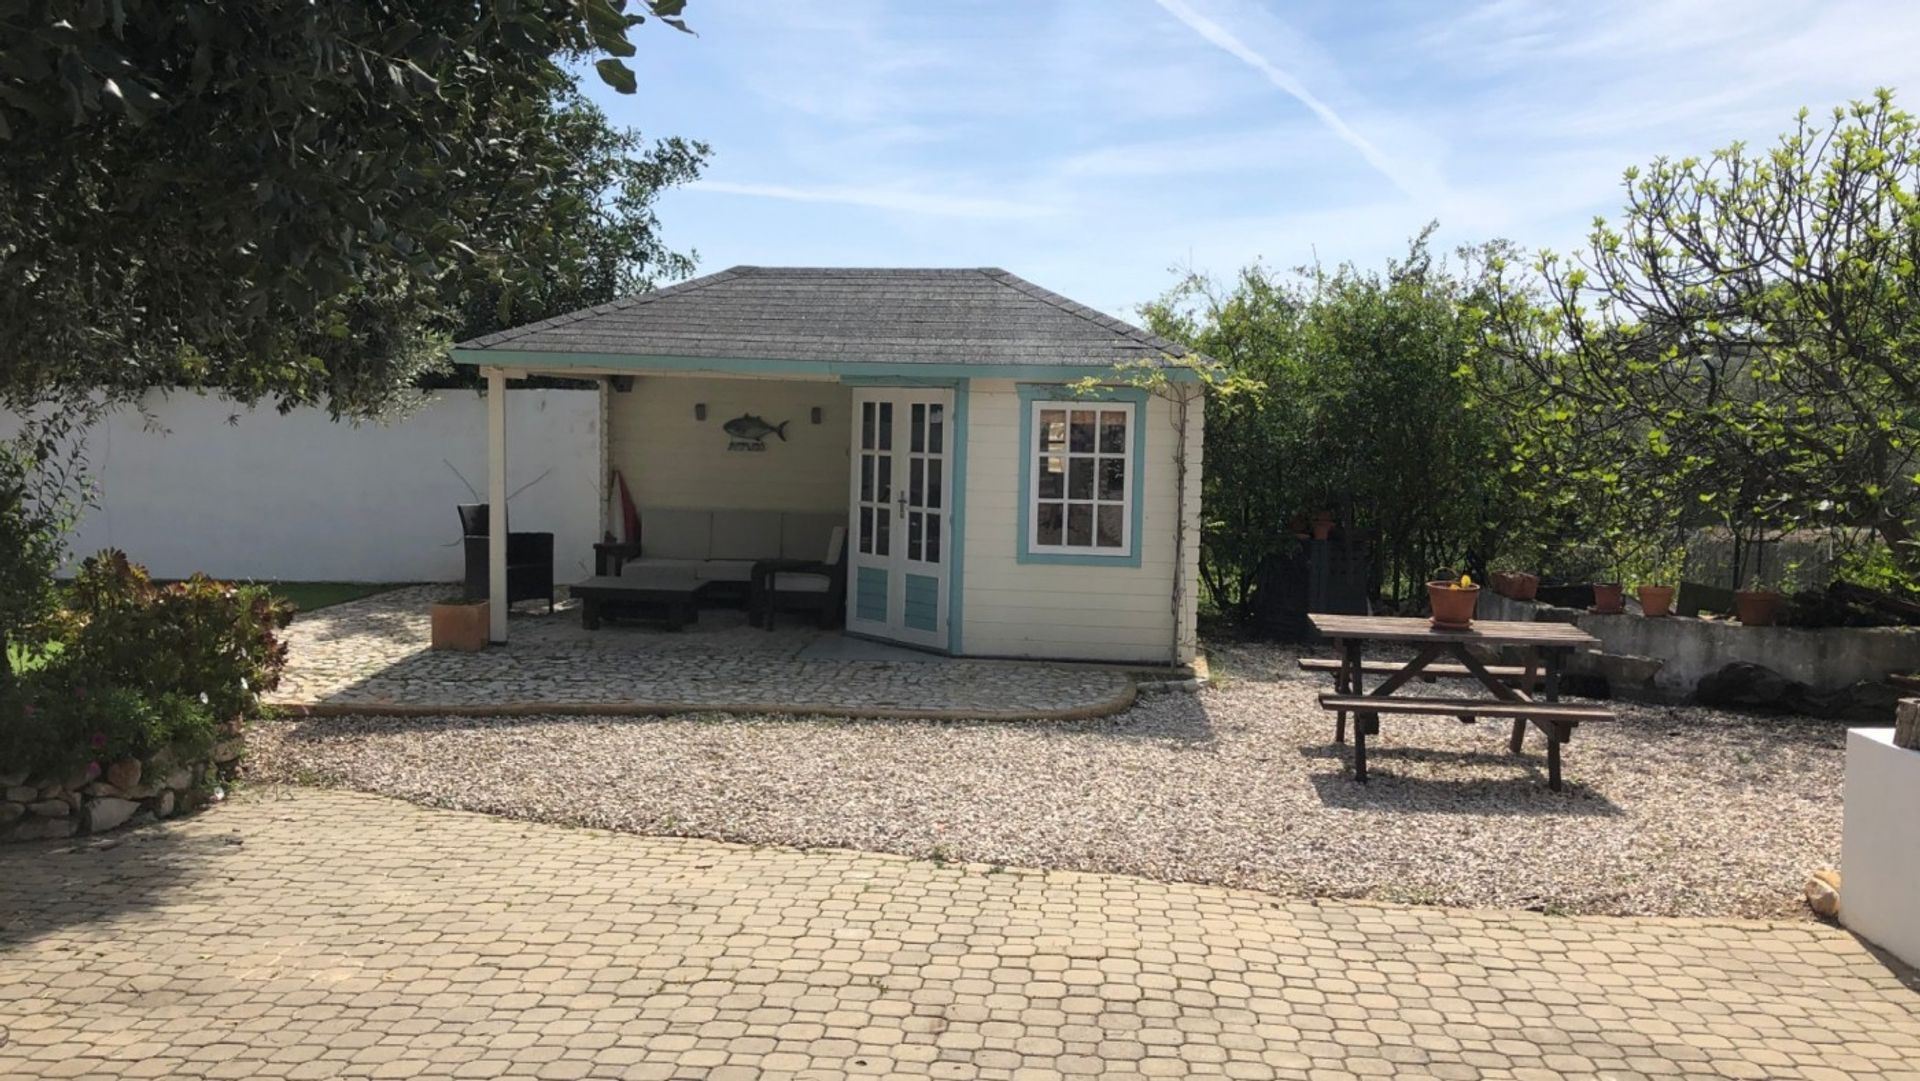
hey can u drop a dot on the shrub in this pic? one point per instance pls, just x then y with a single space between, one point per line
142 667
203 639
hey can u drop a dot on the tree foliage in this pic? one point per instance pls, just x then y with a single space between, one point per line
1358 412
1740 348
285 200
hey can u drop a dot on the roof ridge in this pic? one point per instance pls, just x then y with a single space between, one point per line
501 337
1074 308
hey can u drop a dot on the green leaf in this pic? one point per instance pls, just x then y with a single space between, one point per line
617 75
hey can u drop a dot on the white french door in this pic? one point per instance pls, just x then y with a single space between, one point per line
900 516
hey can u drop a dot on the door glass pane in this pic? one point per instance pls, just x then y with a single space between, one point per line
1048 523
1080 478
933 538
1113 432
866 478
917 429
1108 535
1080 434
866 530
1080 525
1053 428
913 534
935 469
866 425
917 483
883 490
886 425
1053 481
882 531
1113 478
936 428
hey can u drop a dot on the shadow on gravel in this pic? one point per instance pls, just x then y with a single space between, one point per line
1523 793
51 886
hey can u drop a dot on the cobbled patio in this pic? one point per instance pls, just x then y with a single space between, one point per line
372 656
298 933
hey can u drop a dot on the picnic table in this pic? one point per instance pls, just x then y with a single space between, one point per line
1528 693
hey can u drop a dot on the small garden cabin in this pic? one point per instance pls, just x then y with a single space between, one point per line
1017 474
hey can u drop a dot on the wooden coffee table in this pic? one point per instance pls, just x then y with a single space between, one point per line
674 594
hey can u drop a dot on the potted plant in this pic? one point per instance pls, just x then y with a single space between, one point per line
1520 585
459 624
1761 607
1322 524
1656 597
1453 601
1608 598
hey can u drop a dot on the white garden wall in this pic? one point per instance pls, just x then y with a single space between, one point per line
301 497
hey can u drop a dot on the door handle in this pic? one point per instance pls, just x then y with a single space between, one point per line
903 505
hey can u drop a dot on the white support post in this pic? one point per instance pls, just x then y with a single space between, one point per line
497 505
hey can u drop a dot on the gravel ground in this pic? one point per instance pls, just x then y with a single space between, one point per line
1670 811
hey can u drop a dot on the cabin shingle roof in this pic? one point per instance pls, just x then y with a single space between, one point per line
979 316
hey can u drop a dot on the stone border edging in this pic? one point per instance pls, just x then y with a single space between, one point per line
1117 703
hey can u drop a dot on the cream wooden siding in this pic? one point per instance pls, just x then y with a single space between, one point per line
1117 613
672 460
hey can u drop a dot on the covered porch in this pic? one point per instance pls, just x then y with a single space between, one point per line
371 657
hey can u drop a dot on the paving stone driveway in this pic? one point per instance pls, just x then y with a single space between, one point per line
302 933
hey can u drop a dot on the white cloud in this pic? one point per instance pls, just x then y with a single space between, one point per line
890 199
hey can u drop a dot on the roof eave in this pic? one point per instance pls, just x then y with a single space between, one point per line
558 362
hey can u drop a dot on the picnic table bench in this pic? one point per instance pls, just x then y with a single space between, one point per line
1511 689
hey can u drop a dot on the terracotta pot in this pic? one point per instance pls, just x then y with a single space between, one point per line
1452 607
1655 600
460 625
1756 607
1323 525
1517 584
1609 598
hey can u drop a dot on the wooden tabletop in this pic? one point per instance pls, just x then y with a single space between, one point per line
1490 632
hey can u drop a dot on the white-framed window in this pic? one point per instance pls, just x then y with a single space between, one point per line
1081 485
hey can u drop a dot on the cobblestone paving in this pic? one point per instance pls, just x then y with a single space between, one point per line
373 653
298 933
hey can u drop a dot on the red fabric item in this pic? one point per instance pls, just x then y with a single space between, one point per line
629 517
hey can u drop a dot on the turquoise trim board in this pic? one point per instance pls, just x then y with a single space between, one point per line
957 520
872 592
896 374
922 609
1052 392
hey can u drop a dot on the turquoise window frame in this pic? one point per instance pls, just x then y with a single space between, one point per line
1031 393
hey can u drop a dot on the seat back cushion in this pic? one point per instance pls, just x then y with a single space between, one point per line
745 534
805 534
676 533
473 519
837 544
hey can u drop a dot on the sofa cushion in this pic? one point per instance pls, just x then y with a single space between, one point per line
676 533
745 534
725 570
804 535
800 582
645 564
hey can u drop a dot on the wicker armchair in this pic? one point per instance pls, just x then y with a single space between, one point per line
529 559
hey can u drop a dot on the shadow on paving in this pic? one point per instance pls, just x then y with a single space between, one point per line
52 886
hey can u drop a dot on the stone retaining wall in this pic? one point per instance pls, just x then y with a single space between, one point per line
101 797
1665 659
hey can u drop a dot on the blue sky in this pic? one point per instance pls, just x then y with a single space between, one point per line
1095 145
